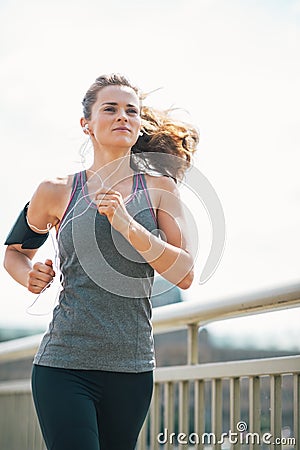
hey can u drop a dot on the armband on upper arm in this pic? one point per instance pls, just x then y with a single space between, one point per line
21 233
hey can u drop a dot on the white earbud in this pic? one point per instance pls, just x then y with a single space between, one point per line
86 127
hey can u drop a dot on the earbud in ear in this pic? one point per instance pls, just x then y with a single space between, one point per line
86 127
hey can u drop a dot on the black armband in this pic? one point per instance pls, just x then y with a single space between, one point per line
21 233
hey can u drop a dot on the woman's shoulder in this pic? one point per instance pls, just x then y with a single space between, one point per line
161 189
51 196
51 187
53 192
161 182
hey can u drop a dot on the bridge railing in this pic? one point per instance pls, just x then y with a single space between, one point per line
235 405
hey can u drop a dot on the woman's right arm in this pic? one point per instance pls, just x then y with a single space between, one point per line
42 214
18 263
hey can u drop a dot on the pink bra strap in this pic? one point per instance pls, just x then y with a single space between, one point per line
148 198
75 184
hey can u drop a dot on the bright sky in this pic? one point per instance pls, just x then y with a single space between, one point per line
234 66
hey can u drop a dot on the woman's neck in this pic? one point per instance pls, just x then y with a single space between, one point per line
108 169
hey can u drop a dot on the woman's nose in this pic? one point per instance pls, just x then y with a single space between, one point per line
122 115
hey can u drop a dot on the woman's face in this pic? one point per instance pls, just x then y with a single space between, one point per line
115 119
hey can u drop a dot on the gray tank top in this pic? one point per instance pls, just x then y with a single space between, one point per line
103 317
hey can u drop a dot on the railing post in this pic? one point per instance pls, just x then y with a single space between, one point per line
235 406
297 408
199 411
254 412
216 411
192 344
183 411
276 408
169 411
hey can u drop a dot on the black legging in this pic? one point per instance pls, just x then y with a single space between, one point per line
90 409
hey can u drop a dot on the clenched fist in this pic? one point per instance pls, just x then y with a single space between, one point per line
40 276
111 204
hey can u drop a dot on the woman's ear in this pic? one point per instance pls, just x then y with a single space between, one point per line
84 125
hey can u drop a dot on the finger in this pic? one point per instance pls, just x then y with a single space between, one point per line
34 289
39 277
106 210
40 267
109 203
44 277
39 283
42 272
108 194
49 262
37 286
107 191
111 197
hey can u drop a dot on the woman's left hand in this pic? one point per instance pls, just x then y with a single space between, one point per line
111 204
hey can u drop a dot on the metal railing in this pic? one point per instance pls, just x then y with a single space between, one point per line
192 404
188 407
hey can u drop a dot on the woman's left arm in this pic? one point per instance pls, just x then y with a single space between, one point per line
171 255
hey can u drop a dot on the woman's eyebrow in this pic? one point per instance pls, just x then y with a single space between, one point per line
108 103
115 103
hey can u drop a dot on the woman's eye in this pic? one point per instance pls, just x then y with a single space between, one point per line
132 111
113 109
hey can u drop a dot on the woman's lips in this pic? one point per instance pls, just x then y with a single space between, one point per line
122 129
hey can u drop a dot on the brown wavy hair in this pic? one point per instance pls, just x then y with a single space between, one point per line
161 134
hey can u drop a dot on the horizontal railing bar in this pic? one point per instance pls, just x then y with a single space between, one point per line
15 387
179 315
19 348
232 369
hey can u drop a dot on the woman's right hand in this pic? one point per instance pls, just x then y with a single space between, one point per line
40 276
